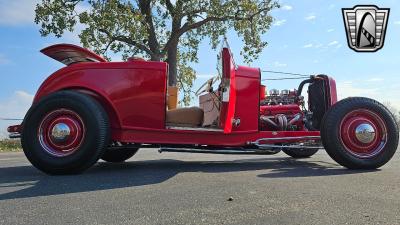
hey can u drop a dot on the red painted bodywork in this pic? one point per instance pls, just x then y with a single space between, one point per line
134 96
248 99
134 93
227 113
263 88
14 129
70 54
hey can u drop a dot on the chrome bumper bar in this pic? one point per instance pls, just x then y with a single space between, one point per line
14 135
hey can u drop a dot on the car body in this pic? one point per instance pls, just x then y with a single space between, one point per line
133 95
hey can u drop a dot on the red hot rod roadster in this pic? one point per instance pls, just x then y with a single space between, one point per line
94 109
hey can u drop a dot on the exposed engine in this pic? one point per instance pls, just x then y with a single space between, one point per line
285 110
284 97
280 110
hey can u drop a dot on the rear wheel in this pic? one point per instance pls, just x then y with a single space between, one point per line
65 133
360 133
299 153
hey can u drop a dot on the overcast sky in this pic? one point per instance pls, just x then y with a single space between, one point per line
307 37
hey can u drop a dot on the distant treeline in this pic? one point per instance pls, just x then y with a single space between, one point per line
8 145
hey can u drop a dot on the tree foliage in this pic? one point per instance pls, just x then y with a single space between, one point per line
164 30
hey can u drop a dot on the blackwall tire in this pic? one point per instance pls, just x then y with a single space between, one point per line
65 133
118 155
360 133
300 153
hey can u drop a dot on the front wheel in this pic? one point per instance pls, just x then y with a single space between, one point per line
360 133
119 155
299 153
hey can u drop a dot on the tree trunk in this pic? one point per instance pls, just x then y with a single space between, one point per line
155 58
145 9
173 64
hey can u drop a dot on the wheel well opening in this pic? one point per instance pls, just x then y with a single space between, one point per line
112 114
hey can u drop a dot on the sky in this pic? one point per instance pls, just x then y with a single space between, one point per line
307 36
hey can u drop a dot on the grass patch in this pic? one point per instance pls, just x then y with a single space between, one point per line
8 145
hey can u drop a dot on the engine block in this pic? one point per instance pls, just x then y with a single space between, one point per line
281 111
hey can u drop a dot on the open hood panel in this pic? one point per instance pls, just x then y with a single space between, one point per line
69 54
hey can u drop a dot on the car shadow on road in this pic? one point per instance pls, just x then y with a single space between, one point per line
29 182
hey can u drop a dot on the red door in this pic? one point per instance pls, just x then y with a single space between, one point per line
229 93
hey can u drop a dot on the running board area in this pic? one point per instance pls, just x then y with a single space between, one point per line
239 151
261 150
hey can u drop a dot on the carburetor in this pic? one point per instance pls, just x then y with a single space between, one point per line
284 97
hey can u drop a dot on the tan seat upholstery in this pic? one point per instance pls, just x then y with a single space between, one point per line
185 117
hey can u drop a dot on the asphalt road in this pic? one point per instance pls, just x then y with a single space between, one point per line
172 188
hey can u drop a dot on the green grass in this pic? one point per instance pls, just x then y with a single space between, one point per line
8 145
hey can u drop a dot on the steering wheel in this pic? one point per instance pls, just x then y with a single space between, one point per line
206 87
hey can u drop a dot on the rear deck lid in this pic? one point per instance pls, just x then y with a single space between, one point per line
69 54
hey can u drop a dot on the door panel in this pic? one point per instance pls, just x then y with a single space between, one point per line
229 93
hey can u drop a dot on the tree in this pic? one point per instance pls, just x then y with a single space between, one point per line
160 30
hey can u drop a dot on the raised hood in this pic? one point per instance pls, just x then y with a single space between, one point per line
69 54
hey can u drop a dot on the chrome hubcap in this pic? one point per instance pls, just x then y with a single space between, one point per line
365 133
60 132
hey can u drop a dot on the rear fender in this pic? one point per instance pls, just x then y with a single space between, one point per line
101 98
112 114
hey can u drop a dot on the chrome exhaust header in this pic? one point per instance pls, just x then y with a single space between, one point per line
300 145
